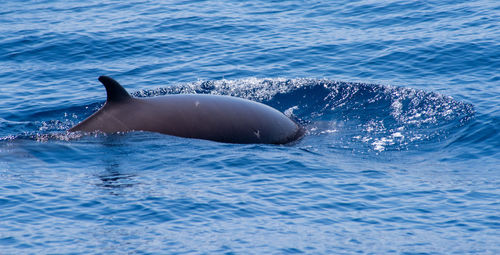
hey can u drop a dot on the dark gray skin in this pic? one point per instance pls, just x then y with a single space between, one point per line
217 118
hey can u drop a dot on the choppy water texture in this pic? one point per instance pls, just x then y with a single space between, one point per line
400 100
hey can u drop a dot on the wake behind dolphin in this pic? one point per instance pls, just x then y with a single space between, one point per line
217 118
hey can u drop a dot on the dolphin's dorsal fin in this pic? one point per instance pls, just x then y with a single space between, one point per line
115 91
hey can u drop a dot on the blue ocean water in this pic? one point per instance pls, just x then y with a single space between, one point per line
400 100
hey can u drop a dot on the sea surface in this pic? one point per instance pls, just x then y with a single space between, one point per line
400 100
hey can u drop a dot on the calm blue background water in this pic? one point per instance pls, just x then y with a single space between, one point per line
400 99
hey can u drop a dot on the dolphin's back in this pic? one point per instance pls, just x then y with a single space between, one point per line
217 118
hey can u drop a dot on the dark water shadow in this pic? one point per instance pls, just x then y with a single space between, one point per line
114 177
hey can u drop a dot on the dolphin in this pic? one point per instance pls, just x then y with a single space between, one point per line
224 119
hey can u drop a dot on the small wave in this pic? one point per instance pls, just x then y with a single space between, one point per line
379 116
357 115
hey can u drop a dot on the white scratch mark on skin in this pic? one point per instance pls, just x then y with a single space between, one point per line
257 133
